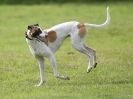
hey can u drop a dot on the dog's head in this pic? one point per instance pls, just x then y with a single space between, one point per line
34 30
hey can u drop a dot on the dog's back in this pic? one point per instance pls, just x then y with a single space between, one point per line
65 27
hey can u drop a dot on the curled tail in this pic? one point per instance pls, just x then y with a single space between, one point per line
100 25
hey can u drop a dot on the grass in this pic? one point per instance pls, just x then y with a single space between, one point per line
113 77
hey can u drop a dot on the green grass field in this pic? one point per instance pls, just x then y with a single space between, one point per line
113 77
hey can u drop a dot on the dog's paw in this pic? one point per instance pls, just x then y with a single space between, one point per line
63 77
67 78
39 84
89 70
95 65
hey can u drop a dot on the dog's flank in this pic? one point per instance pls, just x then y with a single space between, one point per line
45 43
82 30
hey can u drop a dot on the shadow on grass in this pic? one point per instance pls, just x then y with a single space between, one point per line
88 83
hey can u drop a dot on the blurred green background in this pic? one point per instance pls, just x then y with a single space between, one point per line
57 1
113 77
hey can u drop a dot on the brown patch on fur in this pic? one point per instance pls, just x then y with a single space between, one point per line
52 36
33 29
82 30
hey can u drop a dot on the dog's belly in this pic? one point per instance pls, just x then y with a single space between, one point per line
61 36
56 45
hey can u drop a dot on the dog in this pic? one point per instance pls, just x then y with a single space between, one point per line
44 43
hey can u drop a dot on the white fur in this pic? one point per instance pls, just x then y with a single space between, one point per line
103 24
41 50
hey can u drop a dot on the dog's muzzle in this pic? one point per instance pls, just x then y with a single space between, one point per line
28 36
36 33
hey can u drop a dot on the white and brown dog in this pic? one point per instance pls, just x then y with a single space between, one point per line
44 43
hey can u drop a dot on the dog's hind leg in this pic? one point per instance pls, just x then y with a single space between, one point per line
92 55
41 68
77 37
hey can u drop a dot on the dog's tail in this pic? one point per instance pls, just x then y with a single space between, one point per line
100 25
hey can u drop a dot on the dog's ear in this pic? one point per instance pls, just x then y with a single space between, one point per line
29 27
36 24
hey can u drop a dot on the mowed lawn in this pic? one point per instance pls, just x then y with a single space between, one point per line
113 77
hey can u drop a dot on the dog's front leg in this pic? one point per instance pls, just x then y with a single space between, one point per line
41 68
53 61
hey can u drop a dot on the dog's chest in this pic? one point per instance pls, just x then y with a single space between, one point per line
38 48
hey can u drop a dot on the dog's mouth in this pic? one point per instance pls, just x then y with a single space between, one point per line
36 33
33 31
